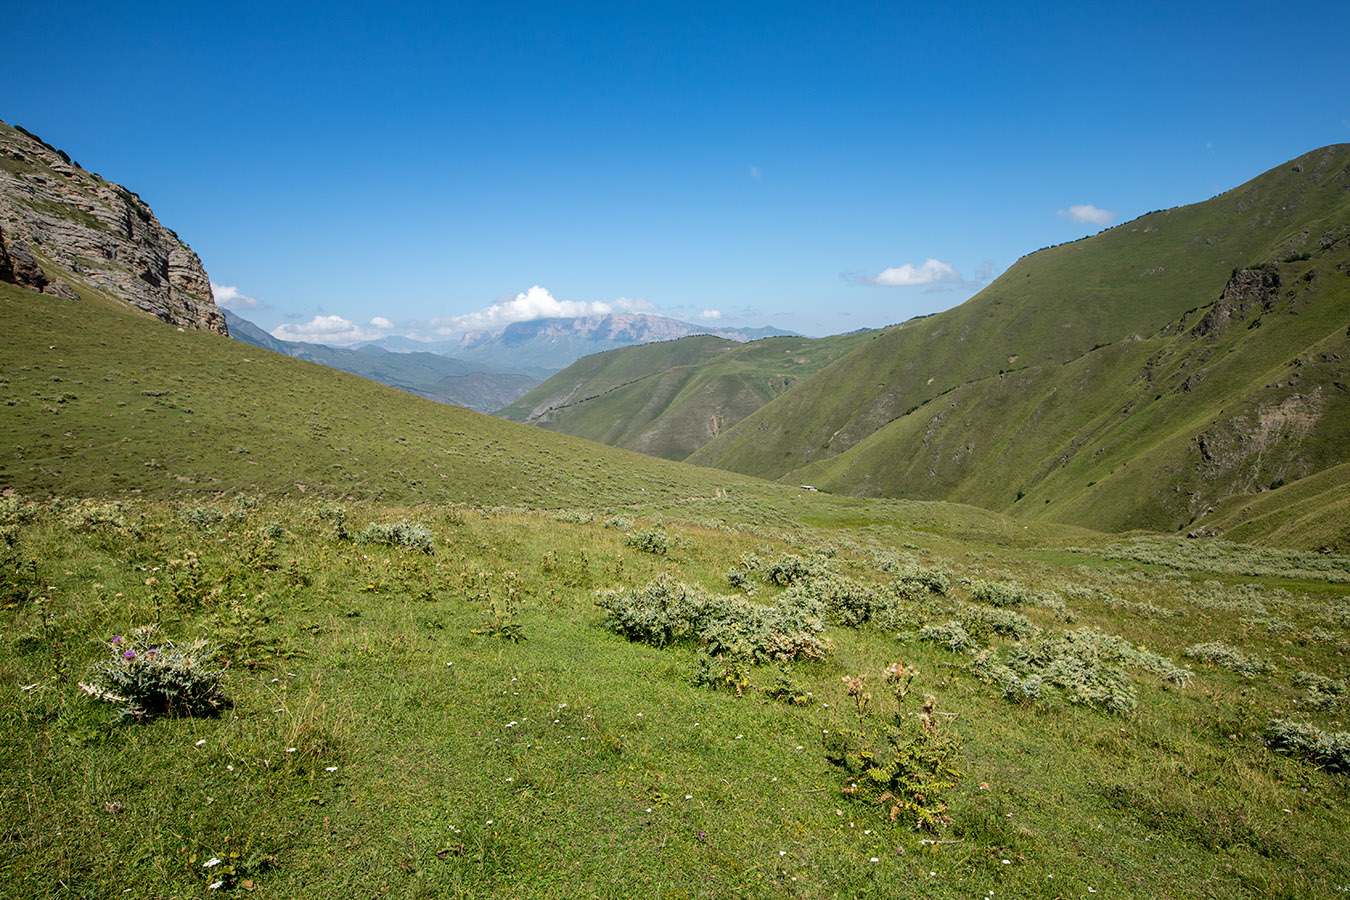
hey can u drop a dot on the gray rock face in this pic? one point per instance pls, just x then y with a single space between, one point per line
61 225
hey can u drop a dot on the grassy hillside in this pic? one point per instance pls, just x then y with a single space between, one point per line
97 399
419 696
669 399
1247 394
1048 309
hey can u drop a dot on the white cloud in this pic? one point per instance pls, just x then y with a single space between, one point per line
754 172
536 303
933 271
229 297
334 330
710 314
1087 214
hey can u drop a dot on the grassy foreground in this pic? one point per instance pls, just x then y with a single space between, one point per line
384 736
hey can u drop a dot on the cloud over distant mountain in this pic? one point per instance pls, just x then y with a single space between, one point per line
536 303
334 331
230 297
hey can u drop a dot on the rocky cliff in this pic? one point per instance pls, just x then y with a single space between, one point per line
62 226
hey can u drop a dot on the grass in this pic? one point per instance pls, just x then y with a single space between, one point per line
460 722
1070 385
668 399
375 743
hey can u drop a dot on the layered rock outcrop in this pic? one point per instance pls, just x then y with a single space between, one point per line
62 226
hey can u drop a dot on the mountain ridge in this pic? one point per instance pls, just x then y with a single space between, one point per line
62 226
443 379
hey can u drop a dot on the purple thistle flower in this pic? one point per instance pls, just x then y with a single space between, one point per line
152 651
130 654
117 639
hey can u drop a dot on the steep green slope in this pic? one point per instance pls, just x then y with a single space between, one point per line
99 397
669 399
1247 394
1049 308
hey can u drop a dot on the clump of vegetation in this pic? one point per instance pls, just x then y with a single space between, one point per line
503 595
1001 594
147 676
982 620
665 611
844 600
1323 692
948 634
790 569
721 673
1330 750
649 540
1220 654
19 581
203 518
575 516
905 766
1016 688
1087 667
336 516
402 534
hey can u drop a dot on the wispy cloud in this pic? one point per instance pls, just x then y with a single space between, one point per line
933 271
1087 214
334 330
755 173
232 298
710 314
935 276
536 303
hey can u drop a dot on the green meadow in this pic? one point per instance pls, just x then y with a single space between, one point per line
442 655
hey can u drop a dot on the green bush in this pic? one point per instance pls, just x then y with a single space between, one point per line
661 612
790 568
1001 594
1230 658
649 540
665 611
203 518
720 673
903 768
398 534
980 621
841 599
950 635
1087 670
147 677
1329 750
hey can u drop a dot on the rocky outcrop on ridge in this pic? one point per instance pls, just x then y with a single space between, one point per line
62 226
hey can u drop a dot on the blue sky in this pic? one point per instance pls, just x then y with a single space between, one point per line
347 169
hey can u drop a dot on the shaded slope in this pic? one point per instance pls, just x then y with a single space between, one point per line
1049 308
669 399
1245 395
99 397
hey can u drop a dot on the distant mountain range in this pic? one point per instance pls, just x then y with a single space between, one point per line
549 345
469 384
487 370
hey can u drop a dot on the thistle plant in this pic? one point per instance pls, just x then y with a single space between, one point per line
147 676
905 766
